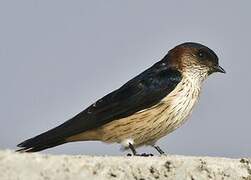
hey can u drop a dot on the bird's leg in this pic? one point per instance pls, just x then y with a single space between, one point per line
135 152
159 150
132 149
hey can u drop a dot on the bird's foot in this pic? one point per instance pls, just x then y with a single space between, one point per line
134 152
141 155
146 155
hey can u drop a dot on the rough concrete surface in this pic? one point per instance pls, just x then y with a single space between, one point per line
17 166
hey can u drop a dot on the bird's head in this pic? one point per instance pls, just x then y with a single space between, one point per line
195 59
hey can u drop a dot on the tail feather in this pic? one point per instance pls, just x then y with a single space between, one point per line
40 142
30 147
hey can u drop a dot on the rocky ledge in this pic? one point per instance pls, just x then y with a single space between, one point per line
23 166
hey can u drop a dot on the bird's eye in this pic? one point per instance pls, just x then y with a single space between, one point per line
201 54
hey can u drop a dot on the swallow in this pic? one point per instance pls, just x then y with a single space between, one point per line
143 110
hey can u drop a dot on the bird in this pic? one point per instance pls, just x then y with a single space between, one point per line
143 110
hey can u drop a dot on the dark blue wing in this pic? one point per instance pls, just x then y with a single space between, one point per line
142 92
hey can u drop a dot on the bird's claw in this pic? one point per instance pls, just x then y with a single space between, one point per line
142 155
146 155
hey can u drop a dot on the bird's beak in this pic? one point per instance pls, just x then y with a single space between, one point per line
219 69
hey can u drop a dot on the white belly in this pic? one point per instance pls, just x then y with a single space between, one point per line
181 101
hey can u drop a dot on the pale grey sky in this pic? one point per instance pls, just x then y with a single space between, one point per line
57 57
